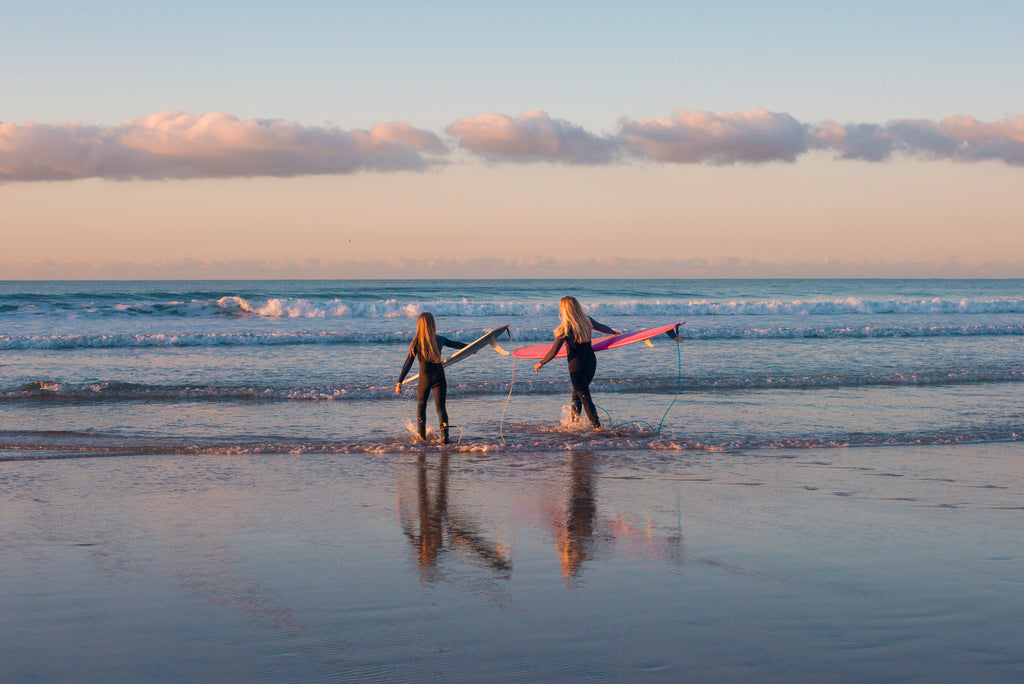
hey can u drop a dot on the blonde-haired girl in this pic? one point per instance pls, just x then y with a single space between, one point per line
426 346
574 331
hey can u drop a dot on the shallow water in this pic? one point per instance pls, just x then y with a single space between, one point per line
309 366
876 563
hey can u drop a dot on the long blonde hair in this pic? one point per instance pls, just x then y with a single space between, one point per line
425 342
574 323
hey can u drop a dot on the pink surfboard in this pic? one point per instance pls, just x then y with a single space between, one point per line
537 351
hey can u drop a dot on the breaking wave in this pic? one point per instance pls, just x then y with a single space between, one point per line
272 307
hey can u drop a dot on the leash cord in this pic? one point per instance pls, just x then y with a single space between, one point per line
675 397
511 384
679 385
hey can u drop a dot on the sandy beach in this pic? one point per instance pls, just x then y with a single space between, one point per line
858 564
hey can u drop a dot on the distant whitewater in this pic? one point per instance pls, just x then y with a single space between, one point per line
234 305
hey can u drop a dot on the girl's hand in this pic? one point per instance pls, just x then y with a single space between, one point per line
398 388
537 367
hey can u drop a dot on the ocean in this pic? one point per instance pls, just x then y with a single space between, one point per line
216 481
310 366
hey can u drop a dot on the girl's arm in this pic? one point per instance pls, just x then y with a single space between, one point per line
405 371
601 327
445 342
555 346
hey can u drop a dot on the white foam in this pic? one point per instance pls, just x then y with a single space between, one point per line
274 307
28 445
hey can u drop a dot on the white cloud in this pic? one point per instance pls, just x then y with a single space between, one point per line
216 145
751 137
693 137
956 138
531 137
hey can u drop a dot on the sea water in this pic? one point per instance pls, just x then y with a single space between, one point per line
311 366
215 481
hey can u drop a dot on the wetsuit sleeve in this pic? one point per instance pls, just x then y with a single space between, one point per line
445 342
555 346
405 368
601 327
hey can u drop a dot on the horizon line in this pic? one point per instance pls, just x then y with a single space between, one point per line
489 268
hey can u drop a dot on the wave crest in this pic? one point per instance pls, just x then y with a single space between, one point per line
277 307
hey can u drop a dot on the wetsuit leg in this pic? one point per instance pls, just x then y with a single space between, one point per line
582 366
574 400
432 379
581 395
422 394
440 397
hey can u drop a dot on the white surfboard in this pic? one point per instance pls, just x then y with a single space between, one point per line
473 347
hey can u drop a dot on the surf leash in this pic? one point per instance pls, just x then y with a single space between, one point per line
674 335
511 384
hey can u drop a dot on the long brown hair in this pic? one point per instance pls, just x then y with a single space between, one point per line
425 342
574 323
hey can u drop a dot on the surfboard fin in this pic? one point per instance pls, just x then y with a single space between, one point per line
494 342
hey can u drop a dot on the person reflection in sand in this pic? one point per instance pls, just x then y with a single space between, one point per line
435 528
582 535
432 512
575 535
450 544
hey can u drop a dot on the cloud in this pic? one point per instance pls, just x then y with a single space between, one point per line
751 137
531 137
867 142
684 138
693 137
956 138
216 145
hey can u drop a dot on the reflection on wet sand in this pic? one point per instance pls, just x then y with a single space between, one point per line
581 534
435 527
574 532
569 513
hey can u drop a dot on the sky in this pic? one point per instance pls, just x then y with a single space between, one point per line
527 139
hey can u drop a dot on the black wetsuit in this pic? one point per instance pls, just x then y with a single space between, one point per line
431 378
582 366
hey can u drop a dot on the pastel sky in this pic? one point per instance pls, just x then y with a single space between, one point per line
336 139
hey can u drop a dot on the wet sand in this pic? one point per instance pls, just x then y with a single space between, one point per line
869 564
